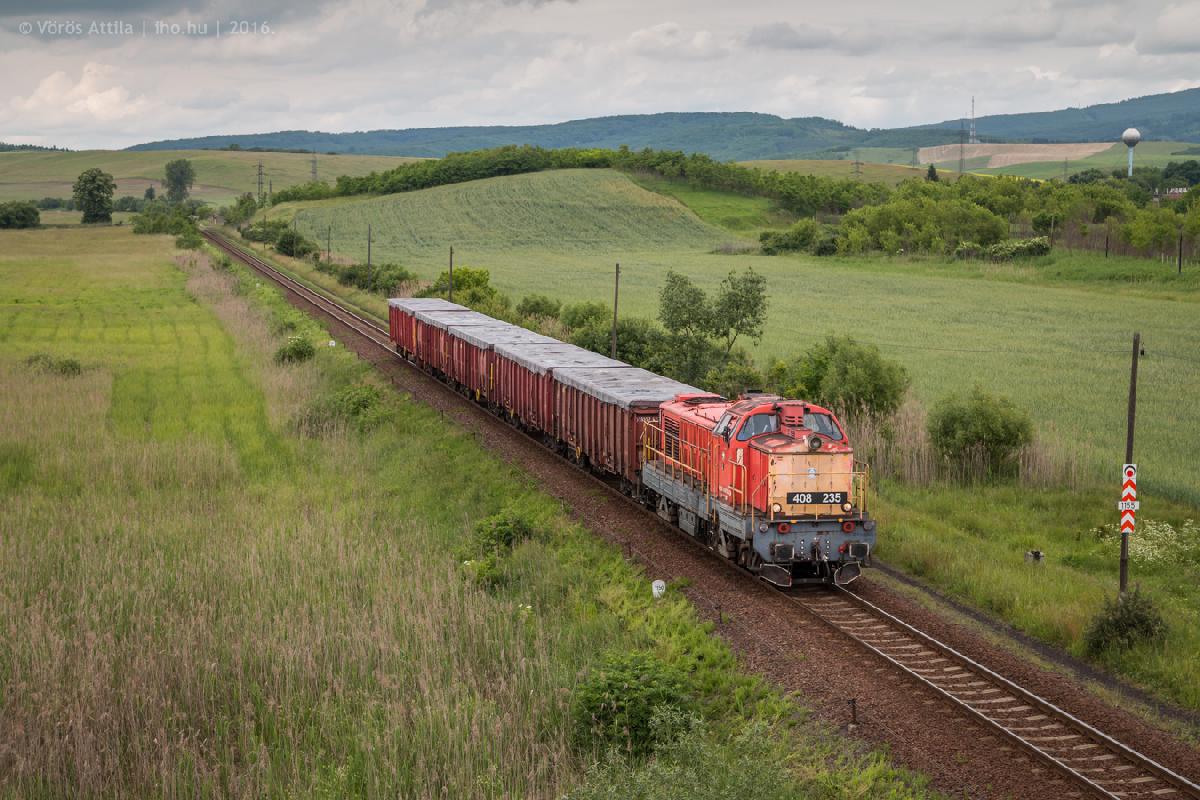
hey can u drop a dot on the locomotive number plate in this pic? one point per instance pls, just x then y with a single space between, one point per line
806 498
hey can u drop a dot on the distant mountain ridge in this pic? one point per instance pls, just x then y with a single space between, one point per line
741 135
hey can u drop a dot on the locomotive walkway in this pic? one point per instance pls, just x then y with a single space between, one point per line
1096 763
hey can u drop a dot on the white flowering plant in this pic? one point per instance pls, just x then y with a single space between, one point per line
1157 542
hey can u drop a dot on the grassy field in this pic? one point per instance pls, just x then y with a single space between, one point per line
59 217
970 540
1054 335
221 175
198 600
1157 154
889 173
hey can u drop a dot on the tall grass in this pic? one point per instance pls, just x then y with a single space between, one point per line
181 619
899 448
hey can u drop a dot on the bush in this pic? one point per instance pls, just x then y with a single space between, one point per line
189 240
845 375
736 376
379 278
42 362
1019 248
292 243
19 215
492 540
295 350
1131 619
800 236
539 305
615 704
360 406
640 342
265 230
581 315
979 425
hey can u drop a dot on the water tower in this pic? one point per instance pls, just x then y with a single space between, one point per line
1131 137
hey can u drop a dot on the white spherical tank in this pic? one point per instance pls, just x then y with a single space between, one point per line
1131 137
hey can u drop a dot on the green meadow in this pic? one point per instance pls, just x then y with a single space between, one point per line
201 597
221 175
1053 334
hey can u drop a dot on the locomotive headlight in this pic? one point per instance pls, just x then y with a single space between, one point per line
815 443
776 508
847 506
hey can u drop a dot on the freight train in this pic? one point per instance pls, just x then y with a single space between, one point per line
768 483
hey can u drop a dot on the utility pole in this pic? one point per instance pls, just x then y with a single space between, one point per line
1137 346
329 244
857 166
270 190
261 199
368 248
616 296
1180 262
962 155
451 273
314 166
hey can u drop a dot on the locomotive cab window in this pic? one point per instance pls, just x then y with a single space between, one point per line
758 424
725 425
824 425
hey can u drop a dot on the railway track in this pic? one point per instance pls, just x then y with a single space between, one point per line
1099 764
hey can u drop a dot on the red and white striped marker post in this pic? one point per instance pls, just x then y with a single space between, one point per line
1129 502
1128 507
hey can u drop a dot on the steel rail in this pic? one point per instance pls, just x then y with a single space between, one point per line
1175 785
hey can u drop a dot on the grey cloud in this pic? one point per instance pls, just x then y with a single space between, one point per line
786 36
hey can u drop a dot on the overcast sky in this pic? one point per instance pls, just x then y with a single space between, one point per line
365 64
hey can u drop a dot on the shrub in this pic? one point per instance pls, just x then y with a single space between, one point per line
295 350
189 240
19 215
293 243
539 305
800 236
1131 619
360 406
265 230
979 425
1019 248
580 315
640 341
845 375
615 704
491 541
43 362
968 250
380 278
736 376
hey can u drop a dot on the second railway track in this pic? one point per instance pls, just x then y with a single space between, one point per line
1097 763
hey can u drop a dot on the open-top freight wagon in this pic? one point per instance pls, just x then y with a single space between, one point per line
767 482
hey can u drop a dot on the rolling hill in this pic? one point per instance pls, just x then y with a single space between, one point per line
571 211
742 136
1175 115
220 175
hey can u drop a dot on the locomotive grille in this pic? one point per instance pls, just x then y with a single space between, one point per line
671 445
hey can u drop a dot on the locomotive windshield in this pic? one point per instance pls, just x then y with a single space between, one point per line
758 424
824 425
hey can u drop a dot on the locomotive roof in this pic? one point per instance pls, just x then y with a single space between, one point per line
541 357
411 304
488 336
443 318
627 388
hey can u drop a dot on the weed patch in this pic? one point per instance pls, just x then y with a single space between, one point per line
295 350
1130 620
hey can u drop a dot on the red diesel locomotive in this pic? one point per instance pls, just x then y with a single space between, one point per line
766 482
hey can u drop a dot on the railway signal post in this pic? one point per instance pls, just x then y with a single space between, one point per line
1129 504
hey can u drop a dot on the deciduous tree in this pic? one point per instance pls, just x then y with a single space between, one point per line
93 192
